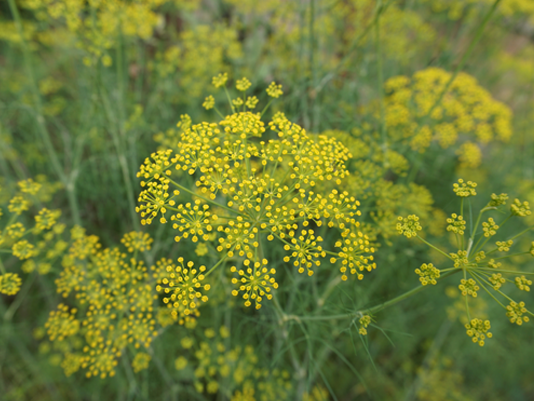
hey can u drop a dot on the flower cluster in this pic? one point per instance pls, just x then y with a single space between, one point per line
480 271
409 226
113 305
478 330
181 285
255 282
250 190
428 274
417 113
95 24
371 167
35 238
364 321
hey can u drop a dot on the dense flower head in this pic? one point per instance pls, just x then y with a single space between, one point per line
249 188
504 246
242 84
23 249
193 220
305 251
255 282
220 80
15 230
523 283
520 209
94 24
355 254
490 227
62 323
408 226
478 330
274 90
459 258
428 274
465 189
113 307
414 116
137 241
215 363
141 361
209 102
45 219
182 287
18 204
156 197
10 283
29 186
469 287
516 312
497 280
456 224
498 200
251 102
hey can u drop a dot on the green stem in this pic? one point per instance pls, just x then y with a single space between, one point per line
464 58
479 281
380 84
202 197
466 300
20 297
38 109
505 271
215 266
472 238
116 139
433 247
328 77
2 268
371 310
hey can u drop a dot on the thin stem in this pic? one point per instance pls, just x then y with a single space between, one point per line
433 247
371 310
215 266
2 268
479 281
38 110
202 197
466 301
505 271
464 58
328 77
380 84
20 297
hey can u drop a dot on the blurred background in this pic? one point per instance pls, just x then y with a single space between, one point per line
421 92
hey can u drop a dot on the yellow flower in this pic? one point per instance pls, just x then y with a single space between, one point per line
478 330
23 250
428 274
408 226
140 361
274 90
465 189
135 241
220 80
209 103
182 286
242 84
255 282
10 283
